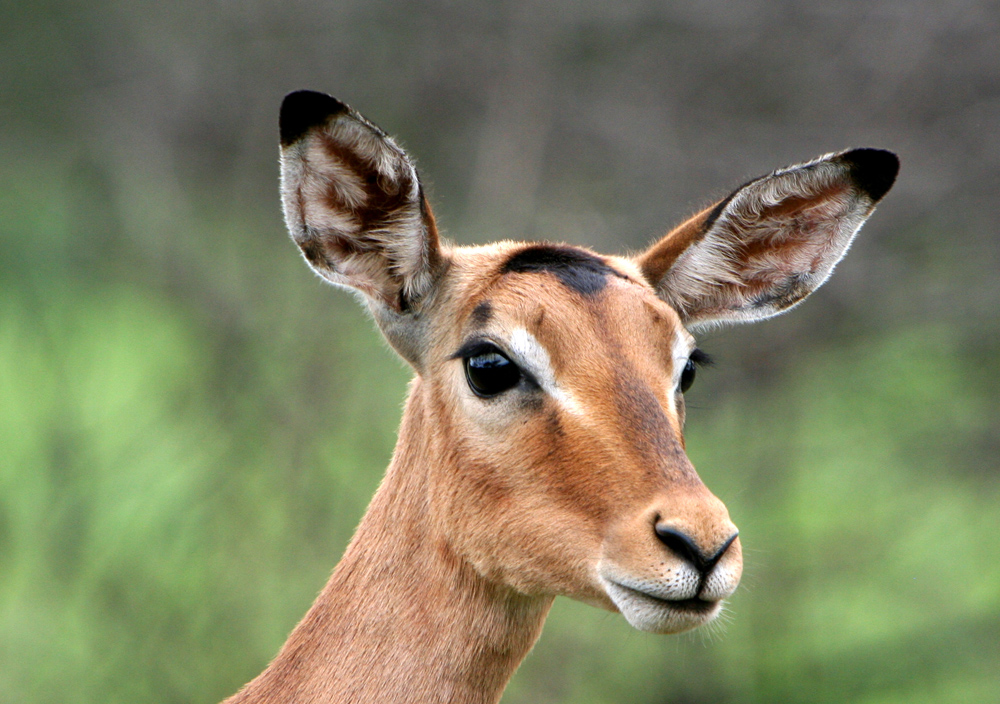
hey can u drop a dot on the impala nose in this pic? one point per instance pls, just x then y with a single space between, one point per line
682 545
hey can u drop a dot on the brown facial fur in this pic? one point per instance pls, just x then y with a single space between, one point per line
549 483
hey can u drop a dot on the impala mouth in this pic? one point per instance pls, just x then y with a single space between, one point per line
658 613
694 605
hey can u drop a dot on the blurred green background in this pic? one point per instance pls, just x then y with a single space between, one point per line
191 424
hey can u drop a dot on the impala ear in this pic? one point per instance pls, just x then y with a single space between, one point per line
354 205
772 242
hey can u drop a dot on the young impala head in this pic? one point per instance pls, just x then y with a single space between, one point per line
550 379
541 450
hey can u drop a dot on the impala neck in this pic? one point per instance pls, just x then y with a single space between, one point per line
403 619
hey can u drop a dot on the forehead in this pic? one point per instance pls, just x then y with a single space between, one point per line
564 289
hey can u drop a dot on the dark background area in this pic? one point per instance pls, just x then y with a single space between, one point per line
191 424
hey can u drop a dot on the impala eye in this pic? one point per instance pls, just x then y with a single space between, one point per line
687 376
489 372
697 359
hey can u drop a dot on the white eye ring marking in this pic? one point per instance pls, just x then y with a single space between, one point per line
534 359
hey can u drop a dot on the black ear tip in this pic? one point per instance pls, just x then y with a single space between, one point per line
303 110
874 170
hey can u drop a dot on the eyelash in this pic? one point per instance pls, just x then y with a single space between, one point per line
701 358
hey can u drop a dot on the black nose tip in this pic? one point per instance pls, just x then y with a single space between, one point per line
685 548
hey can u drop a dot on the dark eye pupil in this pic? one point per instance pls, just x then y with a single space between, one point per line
490 373
687 376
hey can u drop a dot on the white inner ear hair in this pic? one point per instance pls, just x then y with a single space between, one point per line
821 230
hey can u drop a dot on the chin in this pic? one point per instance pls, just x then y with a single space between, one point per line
653 614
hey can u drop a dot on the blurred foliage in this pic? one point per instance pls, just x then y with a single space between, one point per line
191 425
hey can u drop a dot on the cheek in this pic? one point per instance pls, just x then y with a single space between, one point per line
496 458
521 504
480 472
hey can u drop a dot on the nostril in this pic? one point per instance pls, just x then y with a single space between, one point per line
681 545
722 550
685 548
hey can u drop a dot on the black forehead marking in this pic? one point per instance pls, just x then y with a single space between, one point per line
482 313
576 269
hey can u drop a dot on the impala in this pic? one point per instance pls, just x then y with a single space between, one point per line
541 449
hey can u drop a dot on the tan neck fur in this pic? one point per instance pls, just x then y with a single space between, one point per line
403 619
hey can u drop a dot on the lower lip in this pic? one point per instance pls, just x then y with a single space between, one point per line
689 606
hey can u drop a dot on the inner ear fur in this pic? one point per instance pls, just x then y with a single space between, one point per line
354 204
771 242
